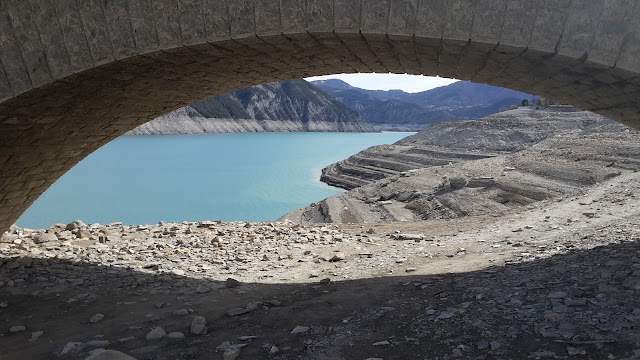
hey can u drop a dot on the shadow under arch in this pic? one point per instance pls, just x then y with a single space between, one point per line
522 307
76 76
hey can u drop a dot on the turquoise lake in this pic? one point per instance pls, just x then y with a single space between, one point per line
229 177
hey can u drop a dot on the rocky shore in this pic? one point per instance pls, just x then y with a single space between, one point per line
556 279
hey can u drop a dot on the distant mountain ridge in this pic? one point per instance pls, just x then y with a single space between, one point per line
399 110
287 106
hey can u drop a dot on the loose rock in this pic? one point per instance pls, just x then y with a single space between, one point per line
95 318
299 330
156 333
199 326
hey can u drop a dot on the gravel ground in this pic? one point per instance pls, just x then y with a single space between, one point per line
555 279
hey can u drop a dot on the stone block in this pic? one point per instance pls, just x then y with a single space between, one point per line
141 14
431 18
450 56
548 28
242 18
347 16
96 31
167 21
519 22
5 91
402 18
120 29
46 20
375 16
74 35
28 38
579 31
268 17
611 30
293 16
319 15
488 20
459 19
629 58
192 24
216 17
11 57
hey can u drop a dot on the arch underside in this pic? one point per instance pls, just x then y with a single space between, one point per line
48 129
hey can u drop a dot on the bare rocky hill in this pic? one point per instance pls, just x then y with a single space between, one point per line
451 142
288 106
498 172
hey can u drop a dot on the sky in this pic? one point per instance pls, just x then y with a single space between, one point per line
408 83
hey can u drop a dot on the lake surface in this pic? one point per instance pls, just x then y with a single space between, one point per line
229 177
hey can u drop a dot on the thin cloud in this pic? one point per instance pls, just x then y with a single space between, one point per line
408 83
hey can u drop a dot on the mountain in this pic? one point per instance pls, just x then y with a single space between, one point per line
287 106
490 166
399 110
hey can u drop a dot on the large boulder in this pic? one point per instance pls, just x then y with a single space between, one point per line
78 224
45 237
458 182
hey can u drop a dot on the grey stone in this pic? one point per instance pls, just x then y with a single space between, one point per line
36 335
17 328
199 326
75 225
337 257
181 312
45 237
481 183
458 182
446 315
95 318
202 289
176 335
382 343
232 283
156 333
177 272
83 234
299 330
231 354
71 348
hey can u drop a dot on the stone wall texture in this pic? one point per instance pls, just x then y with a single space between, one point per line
75 74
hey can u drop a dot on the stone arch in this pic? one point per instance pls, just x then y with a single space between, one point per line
76 74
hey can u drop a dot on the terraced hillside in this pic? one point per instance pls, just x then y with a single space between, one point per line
495 176
452 142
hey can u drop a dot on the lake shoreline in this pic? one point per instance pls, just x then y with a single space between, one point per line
231 177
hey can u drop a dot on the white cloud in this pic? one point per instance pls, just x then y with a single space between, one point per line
408 83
